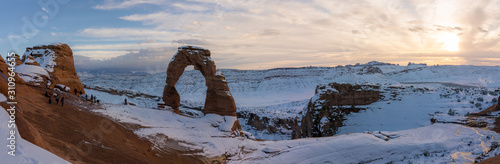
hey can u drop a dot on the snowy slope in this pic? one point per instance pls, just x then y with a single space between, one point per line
26 152
31 73
431 144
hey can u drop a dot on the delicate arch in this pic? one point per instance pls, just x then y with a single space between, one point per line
218 98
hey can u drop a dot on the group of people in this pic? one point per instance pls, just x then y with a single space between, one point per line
56 97
93 99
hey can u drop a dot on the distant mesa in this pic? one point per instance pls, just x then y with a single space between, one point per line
50 66
417 64
218 99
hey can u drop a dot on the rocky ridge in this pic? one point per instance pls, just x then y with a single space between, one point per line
49 65
325 111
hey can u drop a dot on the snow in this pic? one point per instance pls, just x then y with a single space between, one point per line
439 143
285 92
26 152
209 133
3 98
403 119
219 73
430 144
31 73
56 44
191 47
66 88
46 57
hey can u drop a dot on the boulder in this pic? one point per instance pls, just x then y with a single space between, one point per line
218 99
325 111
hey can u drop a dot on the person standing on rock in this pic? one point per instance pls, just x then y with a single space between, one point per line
62 101
50 100
57 99
126 101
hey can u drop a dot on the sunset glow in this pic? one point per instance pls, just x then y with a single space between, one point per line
262 34
449 42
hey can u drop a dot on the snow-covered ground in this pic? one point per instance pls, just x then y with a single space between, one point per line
437 143
413 95
284 92
26 152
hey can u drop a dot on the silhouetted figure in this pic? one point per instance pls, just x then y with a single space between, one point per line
76 92
50 100
91 98
57 99
47 94
62 101
126 101
86 97
81 93
95 98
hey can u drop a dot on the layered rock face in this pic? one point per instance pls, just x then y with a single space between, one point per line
57 60
4 70
325 112
218 99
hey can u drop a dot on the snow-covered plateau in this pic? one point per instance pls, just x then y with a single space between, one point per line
397 128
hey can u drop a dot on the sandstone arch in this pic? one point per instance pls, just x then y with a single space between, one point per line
218 98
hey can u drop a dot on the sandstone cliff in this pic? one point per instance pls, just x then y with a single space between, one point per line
58 67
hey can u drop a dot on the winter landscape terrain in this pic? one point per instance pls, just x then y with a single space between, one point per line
423 115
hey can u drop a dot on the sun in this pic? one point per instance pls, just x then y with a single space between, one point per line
449 41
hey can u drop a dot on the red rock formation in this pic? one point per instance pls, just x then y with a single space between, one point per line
218 99
18 59
30 60
4 70
57 59
325 113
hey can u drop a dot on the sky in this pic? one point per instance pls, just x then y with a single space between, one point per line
143 35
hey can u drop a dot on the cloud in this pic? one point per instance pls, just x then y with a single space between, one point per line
190 42
190 7
143 60
322 32
111 4
123 32
270 32
416 29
